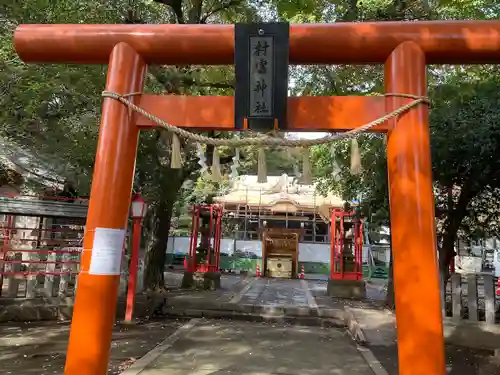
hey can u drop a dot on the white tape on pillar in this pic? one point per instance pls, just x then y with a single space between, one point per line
107 251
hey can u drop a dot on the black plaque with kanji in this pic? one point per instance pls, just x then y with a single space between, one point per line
261 69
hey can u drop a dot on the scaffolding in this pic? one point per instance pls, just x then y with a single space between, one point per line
280 203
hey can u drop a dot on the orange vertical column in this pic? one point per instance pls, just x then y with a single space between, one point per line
96 295
416 275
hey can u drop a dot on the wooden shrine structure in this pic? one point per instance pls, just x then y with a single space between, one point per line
280 252
34 206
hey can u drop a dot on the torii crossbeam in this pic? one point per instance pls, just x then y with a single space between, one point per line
404 48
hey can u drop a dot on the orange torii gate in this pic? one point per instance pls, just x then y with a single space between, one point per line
404 48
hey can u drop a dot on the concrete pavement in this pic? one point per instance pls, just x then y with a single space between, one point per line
248 348
254 347
302 302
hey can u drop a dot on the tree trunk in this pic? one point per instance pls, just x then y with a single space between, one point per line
449 239
390 300
156 254
447 252
390 297
454 219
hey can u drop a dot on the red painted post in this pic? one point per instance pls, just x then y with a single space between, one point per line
189 263
134 261
5 247
358 238
208 260
416 275
333 243
341 245
219 235
194 260
97 292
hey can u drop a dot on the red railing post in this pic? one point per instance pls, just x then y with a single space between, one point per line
195 236
341 245
208 260
333 239
192 241
5 248
134 262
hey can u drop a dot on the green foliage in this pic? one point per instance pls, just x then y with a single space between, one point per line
465 131
278 161
463 126
465 143
53 110
468 9
300 11
465 139
332 169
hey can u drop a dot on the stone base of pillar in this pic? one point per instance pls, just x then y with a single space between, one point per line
201 280
346 289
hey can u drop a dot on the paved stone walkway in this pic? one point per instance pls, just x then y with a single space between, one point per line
246 348
302 301
276 292
252 347
267 291
273 292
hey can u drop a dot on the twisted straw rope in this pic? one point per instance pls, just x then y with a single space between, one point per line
264 140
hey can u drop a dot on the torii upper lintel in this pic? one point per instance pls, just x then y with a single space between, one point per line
443 42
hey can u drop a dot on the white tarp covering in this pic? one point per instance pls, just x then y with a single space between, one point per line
308 252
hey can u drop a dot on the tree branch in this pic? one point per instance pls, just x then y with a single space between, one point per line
352 12
222 7
172 84
186 81
176 6
194 14
169 86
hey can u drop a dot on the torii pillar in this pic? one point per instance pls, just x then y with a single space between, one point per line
404 47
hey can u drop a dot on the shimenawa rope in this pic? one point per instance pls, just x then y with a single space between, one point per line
264 140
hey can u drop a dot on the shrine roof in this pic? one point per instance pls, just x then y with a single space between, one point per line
31 166
277 190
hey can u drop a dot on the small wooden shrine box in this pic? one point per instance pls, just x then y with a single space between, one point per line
280 252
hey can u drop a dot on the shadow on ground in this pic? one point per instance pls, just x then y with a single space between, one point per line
223 347
40 348
459 360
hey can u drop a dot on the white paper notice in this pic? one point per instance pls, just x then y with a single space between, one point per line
107 251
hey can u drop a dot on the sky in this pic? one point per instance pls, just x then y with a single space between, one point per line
308 135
